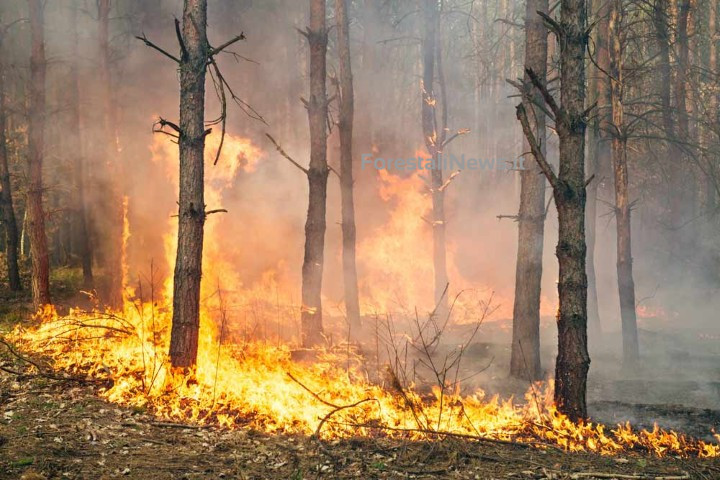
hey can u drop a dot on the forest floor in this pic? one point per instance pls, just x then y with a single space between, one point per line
55 428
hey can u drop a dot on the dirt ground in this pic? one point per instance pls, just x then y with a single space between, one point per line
55 429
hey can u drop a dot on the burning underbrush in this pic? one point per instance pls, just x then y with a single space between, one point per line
261 385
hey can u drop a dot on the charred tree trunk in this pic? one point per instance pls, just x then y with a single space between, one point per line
312 270
525 355
626 285
36 145
80 240
6 200
573 360
345 126
191 212
434 139
110 218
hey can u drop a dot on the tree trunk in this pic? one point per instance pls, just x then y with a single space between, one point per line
626 285
345 126
573 361
80 240
711 197
525 355
312 270
598 160
6 200
434 143
681 194
36 145
110 218
191 211
662 15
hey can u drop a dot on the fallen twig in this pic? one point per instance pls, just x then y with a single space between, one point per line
42 372
178 425
684 476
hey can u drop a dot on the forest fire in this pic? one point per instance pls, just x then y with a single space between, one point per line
200 260
256 384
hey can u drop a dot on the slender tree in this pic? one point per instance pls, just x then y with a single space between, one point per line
434 142
317 174
345 127
598 154
110 218
81 239
36 144
573 360
525 352
626 285
6 199
191 211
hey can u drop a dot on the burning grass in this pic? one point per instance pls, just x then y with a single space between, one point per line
258 385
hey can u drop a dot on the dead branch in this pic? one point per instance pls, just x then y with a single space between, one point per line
42 372
684 476
216 210
550 22
462 131
449 179
216 50
220 90
547 96
282 152
165 123
330 168
337 409
537 152
17 354
147 42
178 425
315 395
178 33
442 433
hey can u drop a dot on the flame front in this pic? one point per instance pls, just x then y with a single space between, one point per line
255 384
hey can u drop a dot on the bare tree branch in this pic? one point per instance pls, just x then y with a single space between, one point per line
216 50
147 42
282 152
537 152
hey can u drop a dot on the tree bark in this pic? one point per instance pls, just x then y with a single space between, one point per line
345 126
191 211
573 361
110 218
6 200
81 239
312 270
525 353
36 144
434 138
626 285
